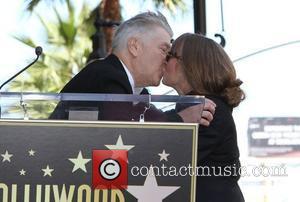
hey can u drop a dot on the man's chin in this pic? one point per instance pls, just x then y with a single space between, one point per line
156 83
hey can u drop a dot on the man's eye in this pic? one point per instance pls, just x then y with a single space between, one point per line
164 50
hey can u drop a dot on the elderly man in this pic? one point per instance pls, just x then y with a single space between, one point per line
139 50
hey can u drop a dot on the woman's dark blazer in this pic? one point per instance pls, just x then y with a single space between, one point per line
217 149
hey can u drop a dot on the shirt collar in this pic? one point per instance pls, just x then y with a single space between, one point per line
135 90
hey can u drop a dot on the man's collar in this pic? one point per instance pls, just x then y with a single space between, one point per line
135 90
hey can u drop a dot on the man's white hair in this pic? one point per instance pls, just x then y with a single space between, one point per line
137 26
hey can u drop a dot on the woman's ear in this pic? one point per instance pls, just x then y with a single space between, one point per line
133 46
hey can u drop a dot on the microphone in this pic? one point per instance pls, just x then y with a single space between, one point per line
38 52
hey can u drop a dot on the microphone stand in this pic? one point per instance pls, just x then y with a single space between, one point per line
38 52
19 72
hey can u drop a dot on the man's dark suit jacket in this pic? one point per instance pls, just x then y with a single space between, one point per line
108 76
217 148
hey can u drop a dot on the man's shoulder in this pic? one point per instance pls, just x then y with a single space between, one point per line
101 64
109 65
99 76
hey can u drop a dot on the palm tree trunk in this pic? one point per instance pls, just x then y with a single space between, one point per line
111 12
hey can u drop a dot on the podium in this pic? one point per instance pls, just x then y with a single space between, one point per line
52 148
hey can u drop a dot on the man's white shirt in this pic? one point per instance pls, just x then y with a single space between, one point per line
135 90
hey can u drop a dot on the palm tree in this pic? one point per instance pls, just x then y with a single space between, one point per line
68 48
171 5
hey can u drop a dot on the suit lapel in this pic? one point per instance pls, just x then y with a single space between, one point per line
116 63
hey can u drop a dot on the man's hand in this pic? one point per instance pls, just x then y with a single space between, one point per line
193 114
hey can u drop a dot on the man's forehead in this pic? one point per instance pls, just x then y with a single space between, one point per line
162 36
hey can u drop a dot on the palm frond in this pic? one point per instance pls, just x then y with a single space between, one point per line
171 5
31 4
25 40
66 29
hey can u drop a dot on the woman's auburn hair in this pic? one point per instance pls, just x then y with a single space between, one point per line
208 68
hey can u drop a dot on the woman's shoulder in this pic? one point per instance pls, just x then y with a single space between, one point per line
220 101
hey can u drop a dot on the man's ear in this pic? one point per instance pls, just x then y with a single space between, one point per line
133 46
